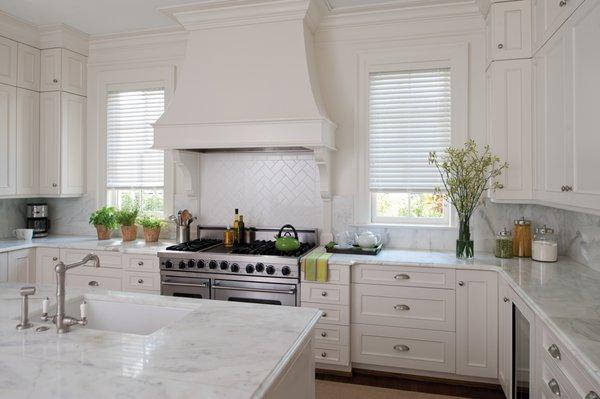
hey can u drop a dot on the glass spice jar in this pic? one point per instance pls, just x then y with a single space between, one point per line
545 245
522 238
504 244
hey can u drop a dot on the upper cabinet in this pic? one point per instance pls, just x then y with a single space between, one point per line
8 61
28 71
548 16
509 30
28 141
8 137
64 70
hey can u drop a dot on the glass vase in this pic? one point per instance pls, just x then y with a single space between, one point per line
464 244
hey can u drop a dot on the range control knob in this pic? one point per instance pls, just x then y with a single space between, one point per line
285 271
224 265
212 264
249 268
200 264
191 263
260 267
235 268
270 269
182 265
168 264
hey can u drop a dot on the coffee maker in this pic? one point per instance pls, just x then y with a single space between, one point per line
37 219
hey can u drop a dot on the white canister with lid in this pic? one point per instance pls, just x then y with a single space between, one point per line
544 247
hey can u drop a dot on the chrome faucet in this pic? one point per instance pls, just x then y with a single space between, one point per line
62 321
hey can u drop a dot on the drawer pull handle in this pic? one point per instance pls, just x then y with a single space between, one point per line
93 283
554 351
54 258
140 263
324 354
324 314
592 395
401 348
402 276
554 387
401 307
323 334
324 293
140 281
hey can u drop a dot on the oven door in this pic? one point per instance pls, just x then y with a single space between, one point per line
184 286
255 292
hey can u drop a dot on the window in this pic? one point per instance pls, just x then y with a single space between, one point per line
409 116
135 172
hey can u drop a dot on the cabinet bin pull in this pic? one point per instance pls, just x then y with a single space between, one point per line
554 351
401 348
401 307
402 276
554 387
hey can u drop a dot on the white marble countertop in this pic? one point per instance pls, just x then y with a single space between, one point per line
565 294
219 350
86 242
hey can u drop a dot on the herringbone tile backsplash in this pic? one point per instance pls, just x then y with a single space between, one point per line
269 189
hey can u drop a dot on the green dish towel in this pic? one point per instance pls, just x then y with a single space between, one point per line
314 266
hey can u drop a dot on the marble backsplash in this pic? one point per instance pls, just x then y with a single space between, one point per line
12 216
578 233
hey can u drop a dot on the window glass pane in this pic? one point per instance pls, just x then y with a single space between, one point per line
426 205
392 204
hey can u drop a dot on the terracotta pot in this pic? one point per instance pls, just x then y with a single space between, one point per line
129 233
151 235
103 232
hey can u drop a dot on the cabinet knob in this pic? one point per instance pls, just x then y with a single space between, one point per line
569 188
54 80
93 283
140 281
54 258
402 276
140 263
324 354
54 185
401 348
554 387
505 299
324 293
554 351
461 283
592 395
324 314
562 3
563 188
500 45
323 334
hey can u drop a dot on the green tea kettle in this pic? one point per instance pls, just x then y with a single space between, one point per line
284 242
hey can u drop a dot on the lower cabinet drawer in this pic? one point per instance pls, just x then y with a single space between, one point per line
141 263
332 334
331 314
108 259
403 348
141 281
554 384
325 293
331 354
82 280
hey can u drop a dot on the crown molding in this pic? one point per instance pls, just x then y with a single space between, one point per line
19 30
65 36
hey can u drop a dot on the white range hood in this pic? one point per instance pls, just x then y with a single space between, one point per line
248 79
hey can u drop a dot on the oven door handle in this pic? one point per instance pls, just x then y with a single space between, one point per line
202 285
225 287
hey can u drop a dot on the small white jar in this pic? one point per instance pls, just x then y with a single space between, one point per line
544 247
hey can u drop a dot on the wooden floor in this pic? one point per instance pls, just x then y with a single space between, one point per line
403 384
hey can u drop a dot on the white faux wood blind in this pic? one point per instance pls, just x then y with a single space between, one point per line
130 161
409 116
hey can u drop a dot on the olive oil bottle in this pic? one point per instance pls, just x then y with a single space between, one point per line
241 230
236 221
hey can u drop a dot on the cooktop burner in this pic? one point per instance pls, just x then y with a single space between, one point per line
263 247
195 245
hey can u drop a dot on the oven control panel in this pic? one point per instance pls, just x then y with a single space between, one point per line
231 266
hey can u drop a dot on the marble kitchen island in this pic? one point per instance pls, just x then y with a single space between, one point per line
218 350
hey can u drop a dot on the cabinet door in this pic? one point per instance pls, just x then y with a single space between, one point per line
8 61
51 70
505 338
74 72
45 261
548 16
477 323
21 266
73 110
28 139
8 139
28 67
50 142
509 125
3 267
511 30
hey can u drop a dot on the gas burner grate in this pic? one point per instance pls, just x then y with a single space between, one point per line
195 245
263 247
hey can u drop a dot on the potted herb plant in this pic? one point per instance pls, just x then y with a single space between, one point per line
127 217
151 226
466 175
105 221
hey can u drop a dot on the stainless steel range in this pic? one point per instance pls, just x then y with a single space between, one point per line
255 272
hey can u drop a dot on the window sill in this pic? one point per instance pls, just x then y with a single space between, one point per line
392 226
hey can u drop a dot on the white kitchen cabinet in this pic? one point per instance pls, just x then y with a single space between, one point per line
8 61
510 126
45 261
21 266
477 323
8 139
3 267
504 337
28 67
548 16
509 30
50 135
28 138
64 70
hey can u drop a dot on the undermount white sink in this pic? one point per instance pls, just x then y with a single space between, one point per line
113 314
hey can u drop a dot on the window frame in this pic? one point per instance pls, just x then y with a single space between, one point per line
453 56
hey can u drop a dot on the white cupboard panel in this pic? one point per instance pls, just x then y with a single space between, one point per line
8 61
50 143
85 280
141 281
73 114
28 67
21 266
332 334
28 140
331 314
74 72
3 267
548 16
409 276
51 69
325 293
8 139
141 263
331 354
336 274
45 261
511 30
108 259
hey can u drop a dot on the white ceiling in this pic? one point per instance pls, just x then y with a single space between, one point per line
101 17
